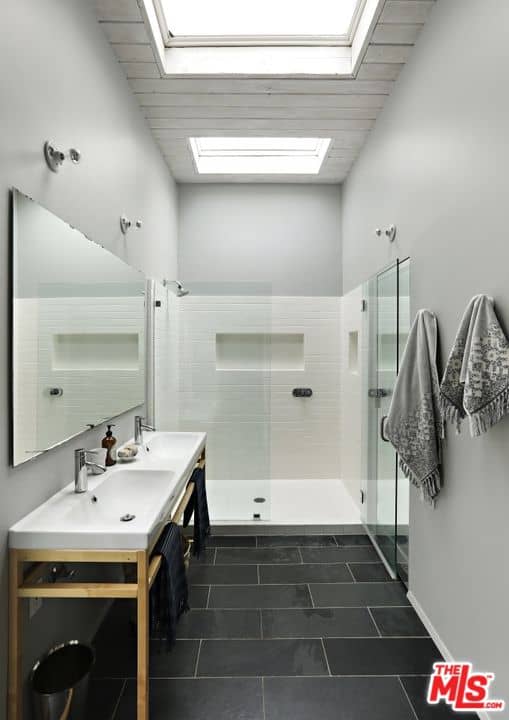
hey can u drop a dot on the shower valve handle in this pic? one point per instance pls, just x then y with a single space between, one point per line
302 392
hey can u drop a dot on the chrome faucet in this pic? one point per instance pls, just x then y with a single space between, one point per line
81 466
139 427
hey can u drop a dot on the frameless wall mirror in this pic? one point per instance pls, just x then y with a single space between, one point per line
78 332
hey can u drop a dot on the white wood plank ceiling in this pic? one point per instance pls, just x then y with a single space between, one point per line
342 109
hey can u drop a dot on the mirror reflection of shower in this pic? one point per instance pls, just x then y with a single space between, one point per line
180 290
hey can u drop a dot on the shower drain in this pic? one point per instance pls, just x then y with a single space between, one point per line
127 517
259 500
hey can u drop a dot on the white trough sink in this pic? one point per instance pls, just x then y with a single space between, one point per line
100 519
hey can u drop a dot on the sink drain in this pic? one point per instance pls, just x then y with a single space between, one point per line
127 517
259 500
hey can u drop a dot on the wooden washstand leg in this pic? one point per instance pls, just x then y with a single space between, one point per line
143 637
15 685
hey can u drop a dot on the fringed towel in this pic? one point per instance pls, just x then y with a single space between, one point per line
169 593
414 425
476 378
199 506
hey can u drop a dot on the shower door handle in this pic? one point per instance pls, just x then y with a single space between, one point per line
382 428
378 393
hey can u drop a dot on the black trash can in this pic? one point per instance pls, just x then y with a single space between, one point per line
59 681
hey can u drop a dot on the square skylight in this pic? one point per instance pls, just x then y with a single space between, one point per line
258 155
264 18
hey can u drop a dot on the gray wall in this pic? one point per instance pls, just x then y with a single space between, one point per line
59 80
436 165
284 235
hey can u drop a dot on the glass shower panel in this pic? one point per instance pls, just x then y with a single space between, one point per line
386 371
385 513
403 484
225 356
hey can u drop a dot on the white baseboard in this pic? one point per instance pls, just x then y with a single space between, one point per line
436 639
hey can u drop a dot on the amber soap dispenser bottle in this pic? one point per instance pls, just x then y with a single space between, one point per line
109 442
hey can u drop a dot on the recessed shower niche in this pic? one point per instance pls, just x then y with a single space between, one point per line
96 351
260 351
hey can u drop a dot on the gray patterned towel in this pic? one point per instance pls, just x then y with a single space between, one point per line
414 425
476 378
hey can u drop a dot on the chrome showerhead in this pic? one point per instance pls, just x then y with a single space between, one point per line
180 291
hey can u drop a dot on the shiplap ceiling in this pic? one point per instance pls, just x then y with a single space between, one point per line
342 109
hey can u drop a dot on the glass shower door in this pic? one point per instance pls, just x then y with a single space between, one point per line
384 528
402 483
386 516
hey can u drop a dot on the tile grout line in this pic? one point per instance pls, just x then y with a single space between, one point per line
307 607
408 698
197 659
117 704
307 637
301 556
258 574
289 563
292 562
233 677
261 623
326 658
208 597
311 595
263 698
350 571
374 621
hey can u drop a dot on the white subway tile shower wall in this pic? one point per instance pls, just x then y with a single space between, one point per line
257 429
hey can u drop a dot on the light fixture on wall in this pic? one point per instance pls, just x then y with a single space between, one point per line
390 233
55 157
126 224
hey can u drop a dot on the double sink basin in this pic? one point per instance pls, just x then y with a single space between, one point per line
123 508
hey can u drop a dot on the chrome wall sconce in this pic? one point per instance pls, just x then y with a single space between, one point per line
390 232
126 224
55 157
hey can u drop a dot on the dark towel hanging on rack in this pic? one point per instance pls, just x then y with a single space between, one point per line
199 506
169 593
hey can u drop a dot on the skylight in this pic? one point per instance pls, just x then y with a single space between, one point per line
231 19
258 155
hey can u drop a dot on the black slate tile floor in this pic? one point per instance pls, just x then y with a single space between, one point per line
223 575
318 623
335 699
368 572
222 624
257 556
353 540
416 689
281 627
339 554
398 621
260 596
297 541
305 573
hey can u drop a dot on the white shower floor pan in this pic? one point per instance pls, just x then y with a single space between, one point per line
287 502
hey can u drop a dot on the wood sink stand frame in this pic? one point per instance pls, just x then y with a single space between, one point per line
22 586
